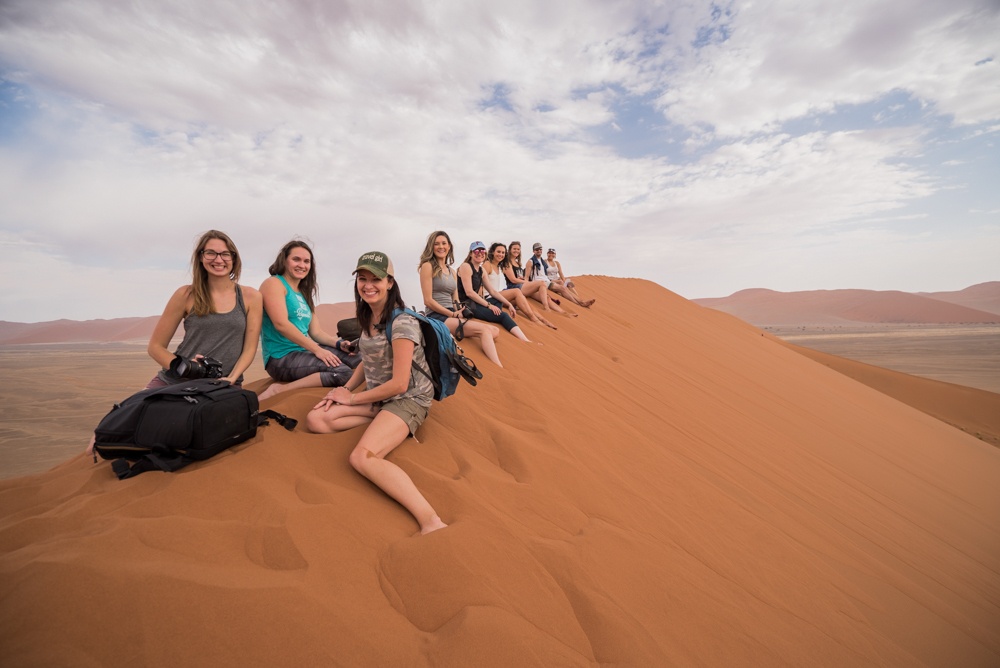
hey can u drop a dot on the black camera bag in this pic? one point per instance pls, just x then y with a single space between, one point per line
167 428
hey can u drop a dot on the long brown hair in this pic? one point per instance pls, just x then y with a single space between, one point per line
428 254
509 260
504 263
308 285
203 304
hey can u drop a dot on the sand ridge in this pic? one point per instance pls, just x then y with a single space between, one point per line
759 306
657 484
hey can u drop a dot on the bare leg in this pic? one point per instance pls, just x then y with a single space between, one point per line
312 380
517 297
487 335
571 295
383 435
541 295
330 419
520 334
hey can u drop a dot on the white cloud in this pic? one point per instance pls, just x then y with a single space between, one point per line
373 123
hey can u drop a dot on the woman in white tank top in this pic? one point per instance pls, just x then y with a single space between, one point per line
493 273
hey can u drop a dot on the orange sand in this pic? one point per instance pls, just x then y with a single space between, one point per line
658 484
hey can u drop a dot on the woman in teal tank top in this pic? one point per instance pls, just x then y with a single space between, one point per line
297 352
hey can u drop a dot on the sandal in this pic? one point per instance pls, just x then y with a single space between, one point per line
467 368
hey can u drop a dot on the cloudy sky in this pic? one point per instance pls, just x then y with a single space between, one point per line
710 147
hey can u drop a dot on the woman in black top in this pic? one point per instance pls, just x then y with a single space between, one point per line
470 291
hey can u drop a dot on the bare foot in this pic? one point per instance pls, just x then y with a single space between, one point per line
431 526
272 389
547 323
588 303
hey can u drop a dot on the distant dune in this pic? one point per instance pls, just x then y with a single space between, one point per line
124 329
77 331
657 484
763 307
983 296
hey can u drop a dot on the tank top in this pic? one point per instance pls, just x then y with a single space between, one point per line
518 273
552 272
477 283
497 280
273 342
443 289
216 335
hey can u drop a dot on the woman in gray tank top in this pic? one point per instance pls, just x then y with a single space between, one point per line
439 284
221 318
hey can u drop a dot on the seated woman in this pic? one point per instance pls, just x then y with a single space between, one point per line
471 287
222 319
297 352
396 399
439 285
493 272
551 274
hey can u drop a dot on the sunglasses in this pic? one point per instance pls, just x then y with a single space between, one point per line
479 250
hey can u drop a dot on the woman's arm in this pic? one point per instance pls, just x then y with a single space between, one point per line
254 304
488 285
166 326
511 277
319 335
427 289
559 267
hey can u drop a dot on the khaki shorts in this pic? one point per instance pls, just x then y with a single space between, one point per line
407 410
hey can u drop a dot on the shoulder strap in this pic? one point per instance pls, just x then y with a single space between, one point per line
388 336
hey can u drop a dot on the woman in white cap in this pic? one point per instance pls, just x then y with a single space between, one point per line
395 401
471 288
551 272
439 284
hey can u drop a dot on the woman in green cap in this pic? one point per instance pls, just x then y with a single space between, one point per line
395 401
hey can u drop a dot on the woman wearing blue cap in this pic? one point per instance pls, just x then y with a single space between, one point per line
395 400
471 287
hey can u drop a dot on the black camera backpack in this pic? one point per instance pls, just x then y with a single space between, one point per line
167 428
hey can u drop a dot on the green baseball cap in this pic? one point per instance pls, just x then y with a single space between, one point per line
376 262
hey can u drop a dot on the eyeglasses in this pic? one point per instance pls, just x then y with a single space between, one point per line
211 255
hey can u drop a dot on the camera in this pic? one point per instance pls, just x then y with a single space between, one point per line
206 367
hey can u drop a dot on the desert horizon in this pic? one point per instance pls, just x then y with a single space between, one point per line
95 374
678 487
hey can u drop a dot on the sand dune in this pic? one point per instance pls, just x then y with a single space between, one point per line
826 307
74 331
982 296
657 484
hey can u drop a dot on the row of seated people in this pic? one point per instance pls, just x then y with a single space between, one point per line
223 321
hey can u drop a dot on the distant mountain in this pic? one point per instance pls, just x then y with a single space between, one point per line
982 296
762 307
76 331
126 329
